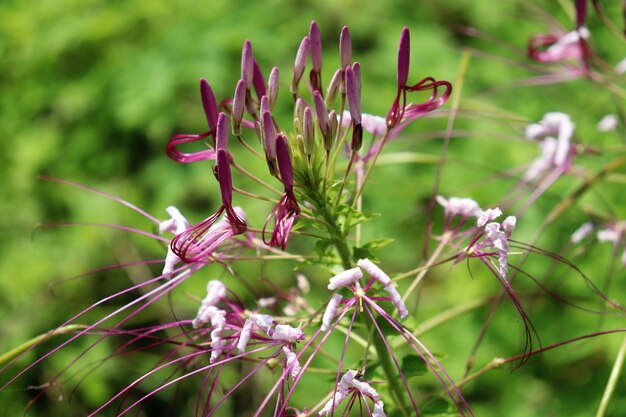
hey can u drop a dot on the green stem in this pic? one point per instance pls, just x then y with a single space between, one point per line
35 340
610 385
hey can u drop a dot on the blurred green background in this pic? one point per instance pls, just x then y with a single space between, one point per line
91 91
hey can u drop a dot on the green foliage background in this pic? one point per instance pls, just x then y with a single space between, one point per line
91 90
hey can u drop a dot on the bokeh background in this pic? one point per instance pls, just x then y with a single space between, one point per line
90 91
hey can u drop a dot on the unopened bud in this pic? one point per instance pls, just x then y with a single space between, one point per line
239 102
265 105
221 137
404 57
247 65
272 87
316 46
209 105
269 135
299 64
345 47
258 81
321 112
333 87
354 98
330 138
309 132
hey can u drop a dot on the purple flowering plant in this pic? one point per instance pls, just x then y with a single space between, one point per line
346 337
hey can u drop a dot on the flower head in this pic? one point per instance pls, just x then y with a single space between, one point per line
287 209
198 241
400 111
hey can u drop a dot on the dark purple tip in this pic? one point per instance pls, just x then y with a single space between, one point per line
404 57
209 104
345 47
581 13
258 81
224 177
284 162
316 46
221 137
247 63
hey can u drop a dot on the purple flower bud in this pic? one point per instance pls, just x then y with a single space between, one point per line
330 138
321 112
316 46
269 135
247 64
345 47
224 177
272 87
333 87
356 68
299 64
404 57
209 104
284 162
221 137
309 131
258 81
265 104
239 102
354 99
298 115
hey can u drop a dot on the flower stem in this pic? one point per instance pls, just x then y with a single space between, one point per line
612 382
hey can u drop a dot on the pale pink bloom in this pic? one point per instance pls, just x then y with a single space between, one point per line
176 224
608 235
218 320
262 321
608 123
620 68
555 132
303 284
292 363
216 291
582 232
464 207
374 271
378 409
375 125
396 300
286 332
340 394
244 336
345 278
487 216
331 311
266 302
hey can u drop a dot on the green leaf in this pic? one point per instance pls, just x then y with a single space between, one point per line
377 244
413 365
